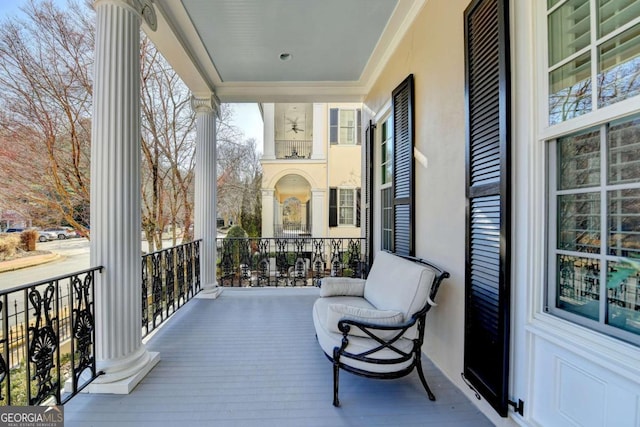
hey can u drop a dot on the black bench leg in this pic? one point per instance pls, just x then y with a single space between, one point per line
336 370
424 381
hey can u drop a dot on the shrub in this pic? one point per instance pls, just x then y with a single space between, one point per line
8 246
236 231
28 239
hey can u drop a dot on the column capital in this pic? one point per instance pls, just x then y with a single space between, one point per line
207 104
143 8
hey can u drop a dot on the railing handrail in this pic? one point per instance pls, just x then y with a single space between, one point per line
172 247
52 279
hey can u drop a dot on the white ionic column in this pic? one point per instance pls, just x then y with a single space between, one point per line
269 131
320 126
205 212
318 223
267 213
115 196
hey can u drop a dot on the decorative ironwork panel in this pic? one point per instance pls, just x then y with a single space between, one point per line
263 262
196 264
43 346
354 257
189 249
180 273
227 269
156 286
169 277
245 261
282 265
83 326
318 261
145 297
5 349
336 257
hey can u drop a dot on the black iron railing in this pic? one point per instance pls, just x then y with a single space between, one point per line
47 339
288 261
170 278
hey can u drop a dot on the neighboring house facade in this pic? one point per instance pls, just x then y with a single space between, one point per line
514 127
311 169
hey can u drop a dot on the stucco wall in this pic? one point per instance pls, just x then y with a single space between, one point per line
433 50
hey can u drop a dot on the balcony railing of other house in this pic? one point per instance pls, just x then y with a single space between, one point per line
47 339
299 261
293 149
291 229
170 278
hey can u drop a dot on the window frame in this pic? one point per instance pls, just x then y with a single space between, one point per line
339 205
592 49
357 127
603 188
386 123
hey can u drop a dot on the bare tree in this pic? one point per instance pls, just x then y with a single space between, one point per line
45 75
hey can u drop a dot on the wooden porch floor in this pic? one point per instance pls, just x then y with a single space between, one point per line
250 358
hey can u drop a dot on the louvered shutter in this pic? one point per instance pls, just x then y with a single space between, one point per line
403 180
486 352
358 195
333 125
368 190
358 126
333 207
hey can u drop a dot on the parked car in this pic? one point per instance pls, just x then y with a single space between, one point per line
46 236
14 230
62 233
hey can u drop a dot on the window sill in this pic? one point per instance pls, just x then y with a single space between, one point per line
610 353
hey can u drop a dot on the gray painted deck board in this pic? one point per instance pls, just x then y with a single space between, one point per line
250 358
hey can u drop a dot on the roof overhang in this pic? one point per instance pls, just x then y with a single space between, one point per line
220 46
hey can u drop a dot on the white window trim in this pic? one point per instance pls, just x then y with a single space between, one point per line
355 202
339 127
612 353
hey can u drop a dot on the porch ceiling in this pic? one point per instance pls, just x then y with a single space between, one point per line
337 47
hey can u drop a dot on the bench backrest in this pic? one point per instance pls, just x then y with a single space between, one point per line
395 283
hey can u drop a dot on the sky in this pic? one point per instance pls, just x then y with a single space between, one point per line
247 116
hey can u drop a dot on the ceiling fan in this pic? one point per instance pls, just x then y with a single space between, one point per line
294 125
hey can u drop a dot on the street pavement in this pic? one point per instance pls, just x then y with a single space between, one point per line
66 257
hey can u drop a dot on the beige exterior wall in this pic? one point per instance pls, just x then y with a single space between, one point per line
433 51
339 167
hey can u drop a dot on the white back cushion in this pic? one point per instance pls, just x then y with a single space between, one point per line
395 283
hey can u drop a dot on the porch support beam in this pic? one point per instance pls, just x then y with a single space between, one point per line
205 212
115 198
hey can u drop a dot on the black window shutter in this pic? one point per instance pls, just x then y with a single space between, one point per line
368 190
358 207
403 179
333 207
359 126
333 125
487 290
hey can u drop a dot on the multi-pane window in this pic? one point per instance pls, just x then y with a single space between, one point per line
345 126
593 55
386 174
346 206
594 252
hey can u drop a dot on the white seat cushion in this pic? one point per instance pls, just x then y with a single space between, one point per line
328 340
337 312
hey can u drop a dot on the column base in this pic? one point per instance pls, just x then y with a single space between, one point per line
209 292
123 377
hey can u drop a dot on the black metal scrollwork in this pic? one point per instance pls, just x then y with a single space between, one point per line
43 343
180 273
145 300
196 264
3 365
83 326
156 286
169 279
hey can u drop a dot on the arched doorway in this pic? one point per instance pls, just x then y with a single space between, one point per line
292 206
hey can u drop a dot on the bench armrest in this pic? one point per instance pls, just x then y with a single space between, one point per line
342 286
